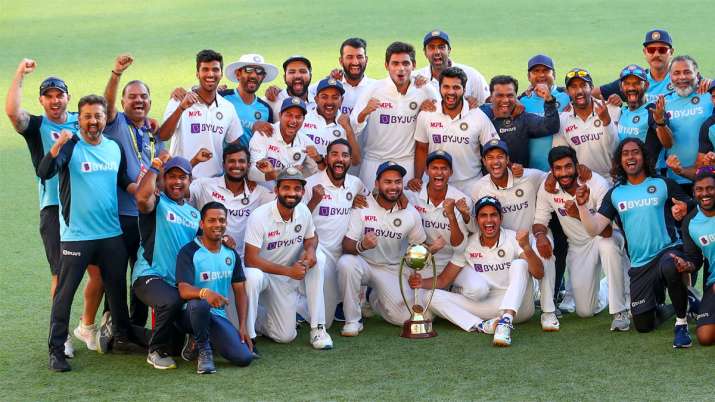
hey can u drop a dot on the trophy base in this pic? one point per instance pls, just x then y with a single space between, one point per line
418 329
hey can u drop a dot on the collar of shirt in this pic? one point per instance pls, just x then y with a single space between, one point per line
462 113
424 196
220 182
313 115
279 137
509 182
325 180
363 82
277 215
500 241
388 83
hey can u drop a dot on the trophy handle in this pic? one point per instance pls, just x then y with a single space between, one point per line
402 288
434 281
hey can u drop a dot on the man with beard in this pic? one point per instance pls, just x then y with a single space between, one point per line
202 119
587 255
496 266
540 70
641 205
437 48
40 133
441 207
297 73
288 147
517 131
281 253
687 111
376 240
590 127
699 241
645 121
91 168
386 114
167 222
332 195
454 129
250 71
326 123
207 272
517 198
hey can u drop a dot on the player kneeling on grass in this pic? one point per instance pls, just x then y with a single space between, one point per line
281 253
206 271
491 278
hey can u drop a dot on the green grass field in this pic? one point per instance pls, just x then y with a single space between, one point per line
79 40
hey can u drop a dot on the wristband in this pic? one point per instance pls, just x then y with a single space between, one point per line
660 124
358 246
539 233
202 293
116 73
154 170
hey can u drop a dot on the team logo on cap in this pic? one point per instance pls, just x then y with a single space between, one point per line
257 59
413 105
257 115
695 100
519 192
244 201
464 126
636 119
494 142
336 133
501 253
397 222
219 115
655 35
651 189
295 101
194 214
228 261
597 123
298 228
291 171
296 157
332 81
435 33
349 196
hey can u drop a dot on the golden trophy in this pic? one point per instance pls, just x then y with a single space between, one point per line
417 258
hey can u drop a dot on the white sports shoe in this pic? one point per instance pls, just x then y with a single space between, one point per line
87 334
320 339
69 349
621 322
351 329
488 326
549 322
502 334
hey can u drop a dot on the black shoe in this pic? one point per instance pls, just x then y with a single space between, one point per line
58 363
189 352
339 314
125 346
205 364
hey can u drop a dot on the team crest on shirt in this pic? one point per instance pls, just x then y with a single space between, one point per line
296 156
636 119
597 123
651 189
444 213
349 196
413 105
194 214
695 100
336 133
669 86
558 105
507 122
501 253
298 228
244 201
464 126
397 222
219 115
519 192
257 115
228 261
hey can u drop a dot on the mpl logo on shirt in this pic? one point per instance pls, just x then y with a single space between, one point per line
88 167
644 202
707 239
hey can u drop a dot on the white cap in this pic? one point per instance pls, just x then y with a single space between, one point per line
251 60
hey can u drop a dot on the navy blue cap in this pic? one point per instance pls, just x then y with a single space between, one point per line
658 35
495 144
436 34
330 82
179 163
578 73
485 202
712 86
439 154
297 57
540 60
635 70
53 83
293 101
390 165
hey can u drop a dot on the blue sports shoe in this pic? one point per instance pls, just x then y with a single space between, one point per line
682 337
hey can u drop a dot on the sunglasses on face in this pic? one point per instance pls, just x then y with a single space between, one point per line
255 69
579 73
659 49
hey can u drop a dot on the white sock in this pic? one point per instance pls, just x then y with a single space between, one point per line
508 316
88 327
681 321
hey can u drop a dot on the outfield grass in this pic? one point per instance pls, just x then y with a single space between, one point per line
78 40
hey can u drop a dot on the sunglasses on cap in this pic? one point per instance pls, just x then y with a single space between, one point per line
577 73
633 70
659 49
487 200
254 69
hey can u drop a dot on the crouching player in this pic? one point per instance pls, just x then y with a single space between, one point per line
206 271
491 278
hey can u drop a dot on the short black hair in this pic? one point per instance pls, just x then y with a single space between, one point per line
132 82
212 205
503 80
357 43
453 72
397 48
703 175
560 152
206 56
92 100
233 148
340 141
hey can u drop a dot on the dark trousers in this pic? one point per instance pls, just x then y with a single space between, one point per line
111 257
205 326
164 298
561 248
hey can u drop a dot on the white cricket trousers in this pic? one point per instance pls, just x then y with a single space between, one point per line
330 289
473 301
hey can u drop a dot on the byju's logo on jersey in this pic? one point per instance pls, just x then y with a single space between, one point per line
330 211
707 239
644 202
389 119
88 167
55 135
195 128
436 138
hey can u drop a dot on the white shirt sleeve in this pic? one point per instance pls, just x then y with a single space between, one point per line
196 189
359 106
254 231
417 234
599 187
421 134
355 227
309 225
234 130
257 147
542 214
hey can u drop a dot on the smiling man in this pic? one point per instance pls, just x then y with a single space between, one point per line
297 74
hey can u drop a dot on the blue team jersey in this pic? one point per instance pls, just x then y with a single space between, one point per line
707 135
199 267
40 134
248 114
655 88
640 124
643 211
164 232
686 115
539 147
701 232
88 179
